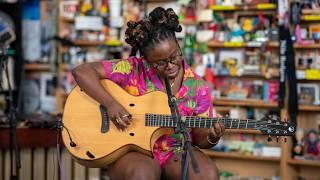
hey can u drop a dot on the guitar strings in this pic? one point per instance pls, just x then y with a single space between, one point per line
152 118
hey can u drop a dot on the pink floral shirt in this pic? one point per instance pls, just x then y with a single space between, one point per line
193 98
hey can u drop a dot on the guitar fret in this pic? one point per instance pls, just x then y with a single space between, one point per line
161 120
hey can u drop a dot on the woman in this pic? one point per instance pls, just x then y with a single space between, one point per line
160 56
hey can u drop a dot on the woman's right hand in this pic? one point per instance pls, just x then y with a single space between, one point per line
119 115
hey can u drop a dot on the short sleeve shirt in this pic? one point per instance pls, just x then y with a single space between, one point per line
193 98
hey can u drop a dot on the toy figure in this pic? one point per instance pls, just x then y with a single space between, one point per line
236 33
313 143
298 146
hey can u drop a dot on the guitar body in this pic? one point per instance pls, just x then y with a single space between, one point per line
83 118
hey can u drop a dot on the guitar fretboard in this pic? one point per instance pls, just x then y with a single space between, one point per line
199 122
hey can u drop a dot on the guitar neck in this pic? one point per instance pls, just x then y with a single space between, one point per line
199 122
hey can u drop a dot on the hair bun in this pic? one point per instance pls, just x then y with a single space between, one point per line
167 18
173 20
134 33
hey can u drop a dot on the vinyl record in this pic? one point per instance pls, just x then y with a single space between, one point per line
31 96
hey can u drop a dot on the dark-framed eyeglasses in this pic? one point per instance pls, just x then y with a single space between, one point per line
175 59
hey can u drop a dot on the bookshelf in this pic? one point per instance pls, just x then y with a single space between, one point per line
283 166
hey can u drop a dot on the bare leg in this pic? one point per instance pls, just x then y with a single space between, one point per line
135 166
208 170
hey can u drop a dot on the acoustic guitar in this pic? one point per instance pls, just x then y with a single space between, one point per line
94 141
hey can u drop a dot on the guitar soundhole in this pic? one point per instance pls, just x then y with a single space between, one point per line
131 134
131 104
90 155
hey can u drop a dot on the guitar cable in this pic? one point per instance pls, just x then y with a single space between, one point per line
60 125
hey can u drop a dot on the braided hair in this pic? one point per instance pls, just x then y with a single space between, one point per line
144 34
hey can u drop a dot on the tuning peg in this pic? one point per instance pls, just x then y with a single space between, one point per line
277 138
269 139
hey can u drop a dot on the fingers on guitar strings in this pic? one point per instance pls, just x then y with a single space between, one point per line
119 123
126 118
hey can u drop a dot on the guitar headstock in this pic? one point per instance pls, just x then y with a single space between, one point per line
272 125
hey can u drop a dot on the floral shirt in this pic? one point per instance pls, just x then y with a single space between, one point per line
193 98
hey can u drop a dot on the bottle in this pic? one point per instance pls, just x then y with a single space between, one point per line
188 48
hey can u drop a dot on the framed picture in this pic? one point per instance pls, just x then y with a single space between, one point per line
48 82
31 95
68 9
230 61
308 94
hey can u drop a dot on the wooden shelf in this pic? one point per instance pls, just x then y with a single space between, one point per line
311 17
307 46
266 6
88 43
310 11
247 77
68 20
37 67
309 108
215 44
244 102
296 162
234 155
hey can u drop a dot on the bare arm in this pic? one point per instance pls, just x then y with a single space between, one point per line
88 78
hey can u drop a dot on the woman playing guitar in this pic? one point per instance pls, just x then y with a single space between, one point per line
160 56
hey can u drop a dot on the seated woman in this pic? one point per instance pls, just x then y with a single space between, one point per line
160 56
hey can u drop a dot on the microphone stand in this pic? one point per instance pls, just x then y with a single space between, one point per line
12 118
181 128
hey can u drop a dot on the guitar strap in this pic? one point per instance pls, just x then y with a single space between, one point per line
287 64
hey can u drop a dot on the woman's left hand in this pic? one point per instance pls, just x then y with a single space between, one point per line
216 132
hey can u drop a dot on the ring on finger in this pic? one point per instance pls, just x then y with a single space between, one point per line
118 120
126 115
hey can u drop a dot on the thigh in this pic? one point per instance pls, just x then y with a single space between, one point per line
208 170
135 165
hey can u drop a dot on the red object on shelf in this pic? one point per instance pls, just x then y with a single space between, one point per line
209 77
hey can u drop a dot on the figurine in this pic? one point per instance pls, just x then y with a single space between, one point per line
312 143
298 146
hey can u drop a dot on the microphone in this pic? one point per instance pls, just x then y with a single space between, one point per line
7 34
